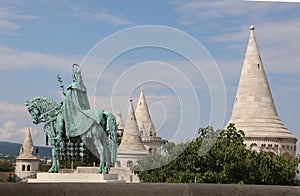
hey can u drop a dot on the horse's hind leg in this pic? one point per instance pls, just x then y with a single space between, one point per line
99 147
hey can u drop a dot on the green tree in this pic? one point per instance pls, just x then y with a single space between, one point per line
45 168
11 178
226 161
6 166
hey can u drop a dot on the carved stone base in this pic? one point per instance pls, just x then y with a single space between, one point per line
75 177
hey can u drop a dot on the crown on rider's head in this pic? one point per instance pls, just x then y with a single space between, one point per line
76 69
74 66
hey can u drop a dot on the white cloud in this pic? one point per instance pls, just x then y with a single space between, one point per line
10 111
279 44
107 17
195 11
5 13
277 32
14 132
7 131
8 27
11 59
14 120
8 21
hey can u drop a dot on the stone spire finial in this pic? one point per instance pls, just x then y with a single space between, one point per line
254 110
27 149
143 117
131 140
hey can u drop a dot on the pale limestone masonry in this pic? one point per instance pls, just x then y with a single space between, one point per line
147 129
75 178
131 148
254 110
123 174
28 162
139 139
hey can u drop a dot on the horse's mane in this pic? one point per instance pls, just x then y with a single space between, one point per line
41 102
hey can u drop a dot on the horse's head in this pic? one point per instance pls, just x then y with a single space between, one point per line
33 111
41 109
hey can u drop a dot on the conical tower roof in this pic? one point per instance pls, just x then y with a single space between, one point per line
254 110
27 149
143 117
131 141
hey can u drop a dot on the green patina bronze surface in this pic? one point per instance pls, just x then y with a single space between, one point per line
73 128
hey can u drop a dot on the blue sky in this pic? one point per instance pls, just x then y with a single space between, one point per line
40 39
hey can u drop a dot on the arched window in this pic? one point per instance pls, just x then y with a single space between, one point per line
129 164
23 167
28 167
142 133
150 133
118 164
150 150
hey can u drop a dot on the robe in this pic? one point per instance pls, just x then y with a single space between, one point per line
77 115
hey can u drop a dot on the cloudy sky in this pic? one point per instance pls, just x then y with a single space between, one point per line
188 61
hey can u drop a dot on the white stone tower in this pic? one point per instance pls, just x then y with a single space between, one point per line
146 127
131 148
27 163
254 110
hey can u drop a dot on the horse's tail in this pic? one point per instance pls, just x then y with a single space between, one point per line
111 128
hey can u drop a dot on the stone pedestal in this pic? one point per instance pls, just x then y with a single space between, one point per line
124 174
75 178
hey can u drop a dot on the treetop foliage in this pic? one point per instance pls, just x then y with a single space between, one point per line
6 166
226 161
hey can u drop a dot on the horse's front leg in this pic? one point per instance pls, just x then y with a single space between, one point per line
54 168
55 161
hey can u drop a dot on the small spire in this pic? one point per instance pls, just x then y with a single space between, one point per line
143 116
131 140
27 149
254 110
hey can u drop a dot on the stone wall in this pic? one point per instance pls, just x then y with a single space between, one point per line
119 189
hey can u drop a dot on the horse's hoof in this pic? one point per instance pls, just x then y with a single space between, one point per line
99 171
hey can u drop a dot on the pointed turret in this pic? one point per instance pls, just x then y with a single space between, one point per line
146 127
27 149
143 117
254 110
28 162
131 141
131 149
